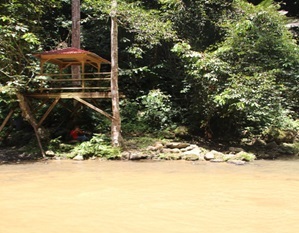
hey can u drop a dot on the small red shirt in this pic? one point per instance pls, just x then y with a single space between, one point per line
74 134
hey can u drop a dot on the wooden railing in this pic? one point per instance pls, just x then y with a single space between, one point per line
86 82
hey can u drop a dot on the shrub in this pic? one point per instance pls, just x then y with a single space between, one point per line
98 146
148 113
156 109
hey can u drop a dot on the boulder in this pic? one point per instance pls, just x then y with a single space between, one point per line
156 147
78 158
245 156
50 153
170 156
217 154
167 150
192 155
235 149
236 162
137 156
217 160
190 147
178 145
210 155
259 142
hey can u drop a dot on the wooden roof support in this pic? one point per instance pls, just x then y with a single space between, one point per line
48 111
94 108
76 109
6 119
40 105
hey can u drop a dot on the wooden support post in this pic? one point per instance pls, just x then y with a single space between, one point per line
6 120
29 117
48 112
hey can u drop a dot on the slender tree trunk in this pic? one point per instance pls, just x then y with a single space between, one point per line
116 122
76 35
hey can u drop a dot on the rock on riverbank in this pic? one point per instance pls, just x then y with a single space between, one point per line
189 152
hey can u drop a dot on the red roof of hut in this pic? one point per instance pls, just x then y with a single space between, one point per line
71 56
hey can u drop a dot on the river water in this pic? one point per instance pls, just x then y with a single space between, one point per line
149 197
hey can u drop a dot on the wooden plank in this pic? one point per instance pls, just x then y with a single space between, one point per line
6 120
94 108
48 111
61 75
34 110
27 114
74 88
78 79
70 95
65 106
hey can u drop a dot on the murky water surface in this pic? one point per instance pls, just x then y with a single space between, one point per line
149 197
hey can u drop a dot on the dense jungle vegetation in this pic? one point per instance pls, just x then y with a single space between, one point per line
211 68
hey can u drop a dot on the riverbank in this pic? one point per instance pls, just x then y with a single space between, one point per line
156 149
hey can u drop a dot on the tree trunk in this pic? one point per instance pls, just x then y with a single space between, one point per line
116 122
76 35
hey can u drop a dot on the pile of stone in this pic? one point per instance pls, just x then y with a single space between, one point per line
189 152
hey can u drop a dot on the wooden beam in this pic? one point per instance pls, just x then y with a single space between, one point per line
65 106
94 108
71 95
48 112
6 120
76 109
26 112
74 88
40 105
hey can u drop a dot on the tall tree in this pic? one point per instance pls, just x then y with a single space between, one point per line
76 23
116 122
76 33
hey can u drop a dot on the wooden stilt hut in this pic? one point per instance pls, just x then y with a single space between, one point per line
89 85
62 85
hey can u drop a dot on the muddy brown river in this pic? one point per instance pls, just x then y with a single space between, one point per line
149 197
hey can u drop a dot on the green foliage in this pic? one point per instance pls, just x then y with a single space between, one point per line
149 113
20 36
199 21
98 146
249 157
157 111
140 142
131 123
247 79
148 26
59 147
